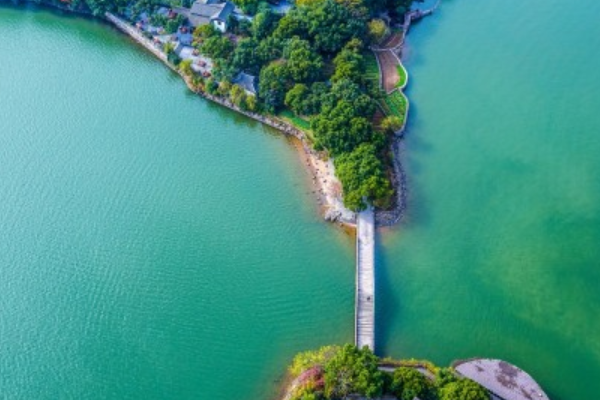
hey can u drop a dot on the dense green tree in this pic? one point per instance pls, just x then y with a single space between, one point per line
391 124
273 85
408 383
217 47
463 389
331 25
357 8
186 67
292 24
248 6
206 31
352 370
244 56
211 86
303 64
251 104
348 65
264 23
237 95
378 30
339 129
362 176
350 92
296 99
269 49
174 23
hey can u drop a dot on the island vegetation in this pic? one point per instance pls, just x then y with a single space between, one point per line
338 372
314 69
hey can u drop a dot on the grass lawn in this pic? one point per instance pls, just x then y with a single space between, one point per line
402 77
396 104
298 122
372 69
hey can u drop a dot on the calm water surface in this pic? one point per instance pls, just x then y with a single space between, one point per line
152 246
155 246
500 255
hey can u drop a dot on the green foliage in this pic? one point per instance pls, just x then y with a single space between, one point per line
349 91
172 57
296 97
237 95
396 104
295 120
217 47
211 86
273 86
371 75
334 372
463 389
248 6
308 359
186 67
264 23
206 31
303 64
391 124
340 130
251 104
378 30
224 87
349 64
352 370
244 57
158 20
174 23
408 383
362 176
402 76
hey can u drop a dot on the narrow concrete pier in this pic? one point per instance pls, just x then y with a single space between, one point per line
365 280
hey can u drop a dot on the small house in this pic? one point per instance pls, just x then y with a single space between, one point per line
247 82
204 12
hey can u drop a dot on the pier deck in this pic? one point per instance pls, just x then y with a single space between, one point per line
365 280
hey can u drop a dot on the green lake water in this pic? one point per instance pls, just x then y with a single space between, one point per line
152 245
155 246
500 253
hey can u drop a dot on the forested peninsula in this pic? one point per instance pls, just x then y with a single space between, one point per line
309 64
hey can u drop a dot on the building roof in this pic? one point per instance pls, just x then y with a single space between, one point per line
502 379
204 11
246 81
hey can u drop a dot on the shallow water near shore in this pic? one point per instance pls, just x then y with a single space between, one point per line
152 245
499 255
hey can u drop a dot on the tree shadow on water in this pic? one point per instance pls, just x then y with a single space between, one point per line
387 309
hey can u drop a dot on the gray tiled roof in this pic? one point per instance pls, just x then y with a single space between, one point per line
501 378
205 12
246 81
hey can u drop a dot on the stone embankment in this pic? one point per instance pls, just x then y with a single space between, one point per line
394 45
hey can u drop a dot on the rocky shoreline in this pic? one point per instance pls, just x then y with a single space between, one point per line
387 218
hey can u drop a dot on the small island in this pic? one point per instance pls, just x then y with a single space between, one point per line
341 372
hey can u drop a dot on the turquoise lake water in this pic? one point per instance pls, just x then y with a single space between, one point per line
152 245
156 246
499 255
